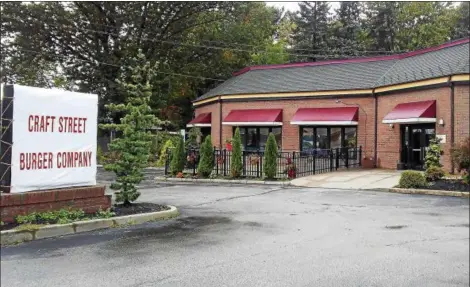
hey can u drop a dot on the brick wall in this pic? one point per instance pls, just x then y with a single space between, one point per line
90 199
462 113
388 145
214 109
290 133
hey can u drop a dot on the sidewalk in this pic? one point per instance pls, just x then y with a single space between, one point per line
352 179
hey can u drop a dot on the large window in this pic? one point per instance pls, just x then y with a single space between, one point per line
255 138
315 138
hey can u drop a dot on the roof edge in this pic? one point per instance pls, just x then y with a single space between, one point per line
355 60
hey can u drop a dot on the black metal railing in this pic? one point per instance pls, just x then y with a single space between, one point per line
289 164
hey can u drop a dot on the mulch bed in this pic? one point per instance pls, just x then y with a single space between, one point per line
449 184
137 208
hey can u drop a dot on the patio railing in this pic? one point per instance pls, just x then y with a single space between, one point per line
289 164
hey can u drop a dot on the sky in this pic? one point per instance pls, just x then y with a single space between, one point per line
294 6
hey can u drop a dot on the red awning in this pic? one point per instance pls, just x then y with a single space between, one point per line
326 116
415 112
202 120
255 117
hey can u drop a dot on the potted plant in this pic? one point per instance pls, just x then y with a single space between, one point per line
291 169
228 144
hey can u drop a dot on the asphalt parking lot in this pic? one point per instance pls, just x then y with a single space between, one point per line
262 236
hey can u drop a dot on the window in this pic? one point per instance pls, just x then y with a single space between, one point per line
327 137
255 138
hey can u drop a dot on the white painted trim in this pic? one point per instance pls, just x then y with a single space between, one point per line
198 125
409 121
324 123
252 123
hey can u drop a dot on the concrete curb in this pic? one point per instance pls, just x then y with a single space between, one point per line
35 232
221 181
430 192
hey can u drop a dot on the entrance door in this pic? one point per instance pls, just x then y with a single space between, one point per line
415 141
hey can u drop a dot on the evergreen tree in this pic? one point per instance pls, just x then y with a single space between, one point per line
194 137
135 142
462 29
345 30
270 157
178 158
381 23
236 165
311 33
164 152
206 162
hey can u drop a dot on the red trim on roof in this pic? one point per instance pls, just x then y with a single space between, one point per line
338 114
413 110
204 118
356 60
255 115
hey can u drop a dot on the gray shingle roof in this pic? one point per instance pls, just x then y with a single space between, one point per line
348 76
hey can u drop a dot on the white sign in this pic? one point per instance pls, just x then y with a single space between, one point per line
54 139
442 138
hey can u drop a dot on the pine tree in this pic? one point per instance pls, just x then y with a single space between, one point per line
381 24
194 137
178 158
270 157
135 142
311 33
164 153
344 39
236 165
206 161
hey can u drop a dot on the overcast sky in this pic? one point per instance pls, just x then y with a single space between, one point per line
294 6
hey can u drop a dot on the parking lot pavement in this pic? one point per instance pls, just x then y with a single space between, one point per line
262 236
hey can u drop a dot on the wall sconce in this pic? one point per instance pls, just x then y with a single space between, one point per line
441 122
391 126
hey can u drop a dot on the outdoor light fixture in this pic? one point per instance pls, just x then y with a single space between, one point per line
391 126
441 122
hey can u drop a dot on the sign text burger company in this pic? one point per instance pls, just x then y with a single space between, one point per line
54 139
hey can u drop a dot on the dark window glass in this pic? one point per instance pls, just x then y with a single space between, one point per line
307 139
277 131
335 138
263 137
322 138
350 137
242 136
252 139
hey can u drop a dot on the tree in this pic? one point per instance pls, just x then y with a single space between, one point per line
380 23
461 158
194 138
236 165
134 144
462 28
162 159
178 158
270 157
206 161
311 33
345 30
433 154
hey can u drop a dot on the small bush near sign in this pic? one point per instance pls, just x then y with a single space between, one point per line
412 179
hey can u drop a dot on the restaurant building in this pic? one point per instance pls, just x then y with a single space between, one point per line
391 106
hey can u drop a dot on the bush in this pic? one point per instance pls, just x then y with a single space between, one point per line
178 158
270 157
434 173
236 165
164 153
206 161
461 158
433 155
194 136
412 179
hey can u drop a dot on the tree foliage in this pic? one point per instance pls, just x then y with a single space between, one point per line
194 138
178 158
134 144
206 161
162 159
270 157
236 164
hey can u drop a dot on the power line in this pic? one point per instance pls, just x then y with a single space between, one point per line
119 66
198 46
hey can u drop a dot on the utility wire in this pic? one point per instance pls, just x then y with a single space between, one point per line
195 45
119 66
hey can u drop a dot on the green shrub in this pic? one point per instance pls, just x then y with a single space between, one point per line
178 158
433 154
236 165
412 179
434 173
100 158
194 136
206 160
164 153
62 216
270 157
461 158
